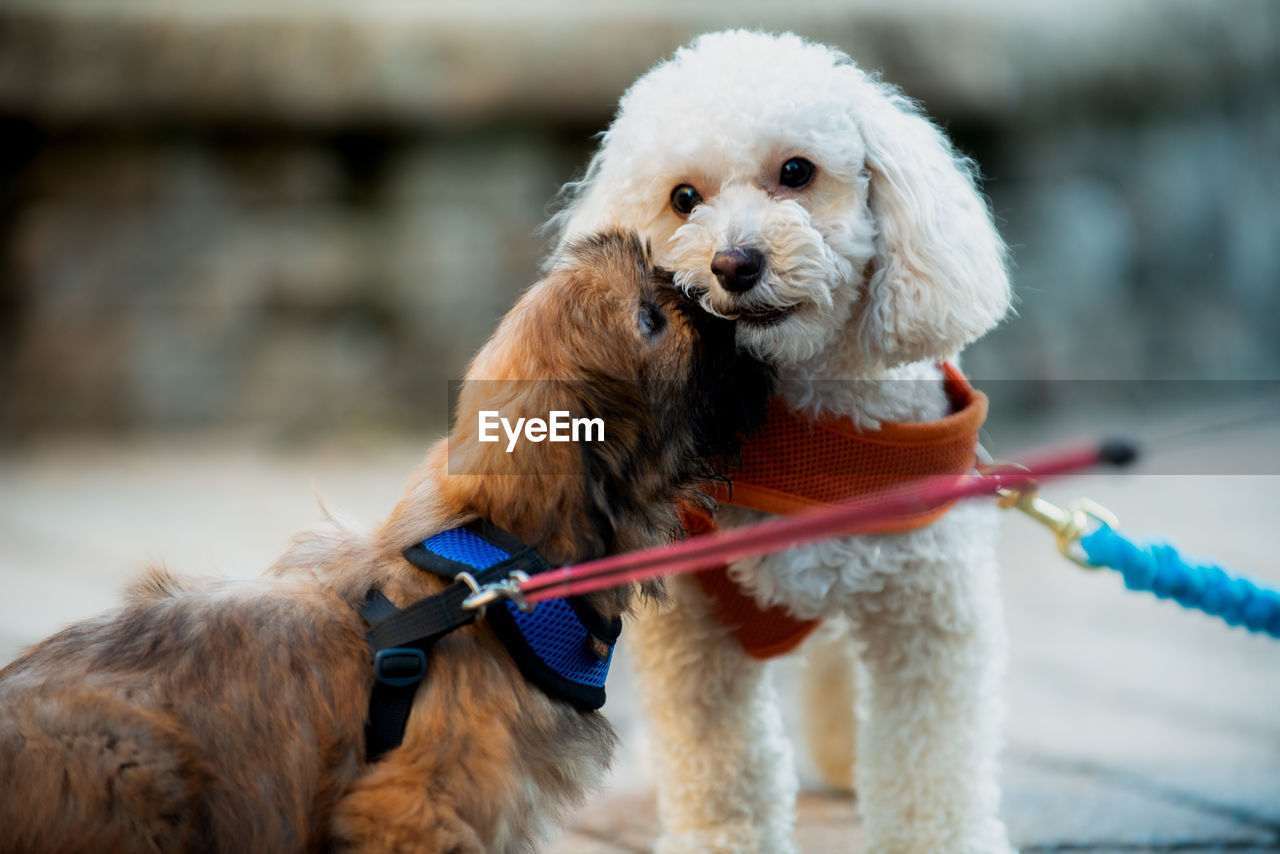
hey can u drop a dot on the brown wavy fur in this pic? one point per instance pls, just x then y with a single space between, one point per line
228 716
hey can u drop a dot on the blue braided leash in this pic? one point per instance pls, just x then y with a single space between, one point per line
1156 567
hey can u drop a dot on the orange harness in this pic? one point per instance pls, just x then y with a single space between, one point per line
792 463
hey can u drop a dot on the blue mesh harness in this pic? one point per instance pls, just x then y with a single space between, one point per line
563 646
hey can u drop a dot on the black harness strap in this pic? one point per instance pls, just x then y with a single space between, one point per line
396 674
401 639
564 648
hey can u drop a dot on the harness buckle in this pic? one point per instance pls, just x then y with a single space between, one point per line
400 666
508 588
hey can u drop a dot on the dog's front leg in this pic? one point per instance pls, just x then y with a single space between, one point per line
926 774
390 810
829 698
726 784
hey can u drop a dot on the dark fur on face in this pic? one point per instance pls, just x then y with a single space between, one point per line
228 716
667 379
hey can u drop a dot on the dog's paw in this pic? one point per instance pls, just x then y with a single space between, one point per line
723 839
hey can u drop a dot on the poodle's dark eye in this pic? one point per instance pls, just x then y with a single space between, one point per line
684 198
796 172
650 319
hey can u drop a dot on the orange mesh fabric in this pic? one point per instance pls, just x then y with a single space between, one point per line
763 632
792 463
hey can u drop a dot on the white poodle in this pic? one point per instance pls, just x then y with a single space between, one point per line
815 204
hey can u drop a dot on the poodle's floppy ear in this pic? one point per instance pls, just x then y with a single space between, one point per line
938 278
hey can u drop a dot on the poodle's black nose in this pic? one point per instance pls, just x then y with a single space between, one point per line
738 268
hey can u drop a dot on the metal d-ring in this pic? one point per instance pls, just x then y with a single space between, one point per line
470 580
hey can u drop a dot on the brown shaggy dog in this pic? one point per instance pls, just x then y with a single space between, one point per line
228 716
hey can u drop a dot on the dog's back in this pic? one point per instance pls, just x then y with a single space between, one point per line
222 717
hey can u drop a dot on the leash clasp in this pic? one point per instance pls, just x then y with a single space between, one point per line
508 588
1068 524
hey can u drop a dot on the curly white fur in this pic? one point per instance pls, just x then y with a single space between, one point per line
889 262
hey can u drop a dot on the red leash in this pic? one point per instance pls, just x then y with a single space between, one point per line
775 535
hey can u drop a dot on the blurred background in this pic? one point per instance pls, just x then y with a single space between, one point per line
245 245
302 218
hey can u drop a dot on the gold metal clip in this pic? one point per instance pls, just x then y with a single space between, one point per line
1067 524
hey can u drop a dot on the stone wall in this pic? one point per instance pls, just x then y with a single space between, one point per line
306 217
